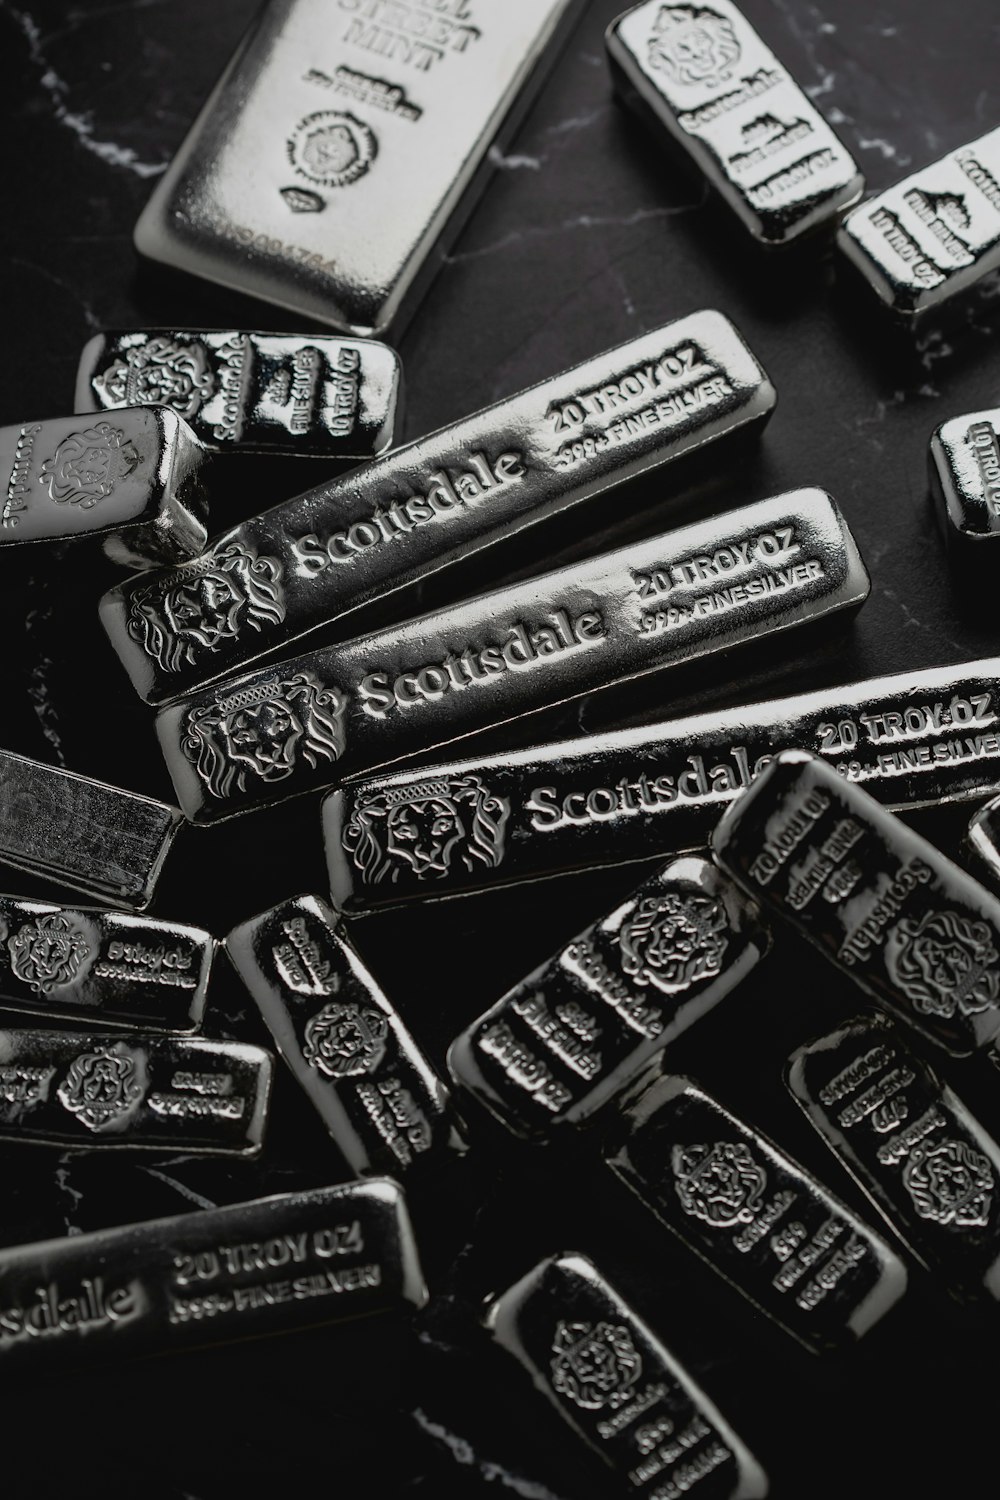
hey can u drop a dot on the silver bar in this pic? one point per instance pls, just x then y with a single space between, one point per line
704 79
984 836
82 833
93 1091
934 233
132 481
344 147
913 740
619 1388
102 968
659 603
911 928
349 1050
314 396
755 1216
243 1271
927 1165
582 1026
309 561
965 475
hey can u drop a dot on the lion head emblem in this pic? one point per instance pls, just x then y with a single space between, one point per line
87 465
693 44
426 828
944 963
332 148
721 1184
671 940
160 372
595 1365
49 953
103 1087
951 1183
344 1040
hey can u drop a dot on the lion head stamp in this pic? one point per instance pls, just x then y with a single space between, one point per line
945 963
332 148
594 1365
720 1184
87 465
49 953
670 941
344 1041
104 1087
160 372
693 44
951 1184
425 829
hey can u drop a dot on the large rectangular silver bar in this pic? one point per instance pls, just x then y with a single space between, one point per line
344 147
934 233
702 76
312 560
965 475
82 833
672 599
243 1271
912 740
305 395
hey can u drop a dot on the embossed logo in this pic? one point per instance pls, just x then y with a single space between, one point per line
426 828
944 963
344 1040
332 148
951 1183
721 1184
87 465
693 44
162 372
261 731
102 1087
671 940
303 200
595 1365
48 953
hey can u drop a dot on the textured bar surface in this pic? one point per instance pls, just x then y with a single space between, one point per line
305 563
618 1387
582 1026
250 1269
965 474
701 74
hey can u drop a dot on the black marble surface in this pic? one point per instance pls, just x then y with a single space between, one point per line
585 236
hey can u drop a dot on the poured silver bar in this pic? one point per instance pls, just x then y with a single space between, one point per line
887 908
658 603
359 1066
311 560
94 1091
132 480
243 1271
934 233
82 833
314 396
701 74
913 740
965 474
581 1027
345 145
911 1144
102 968
619 1387
984 836
763 1222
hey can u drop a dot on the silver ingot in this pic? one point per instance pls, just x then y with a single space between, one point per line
581 1027
884 905
755 1216
131 480
82 833
344 147
349 1050
965 475
268 1266
984 836
314 396
913 740
95 1091
308 562
102 968
933 234
669 600
701 75
618 1386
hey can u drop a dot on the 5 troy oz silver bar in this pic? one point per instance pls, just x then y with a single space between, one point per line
306 563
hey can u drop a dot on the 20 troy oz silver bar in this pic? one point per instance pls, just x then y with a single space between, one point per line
309 561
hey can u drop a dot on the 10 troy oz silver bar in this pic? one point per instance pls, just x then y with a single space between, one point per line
243 1271
242 392
297 182
311 560
912 740
965 476
701 75
672 599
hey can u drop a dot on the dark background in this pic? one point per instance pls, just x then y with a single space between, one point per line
586 236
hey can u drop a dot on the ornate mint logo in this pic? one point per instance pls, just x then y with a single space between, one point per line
87 465
303 200
944 963
594 1365
198 607
693 45
721 1184
262 731
670 941
950 1183
345 1040
160 372
332 148
48 953
102 1087
425 828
